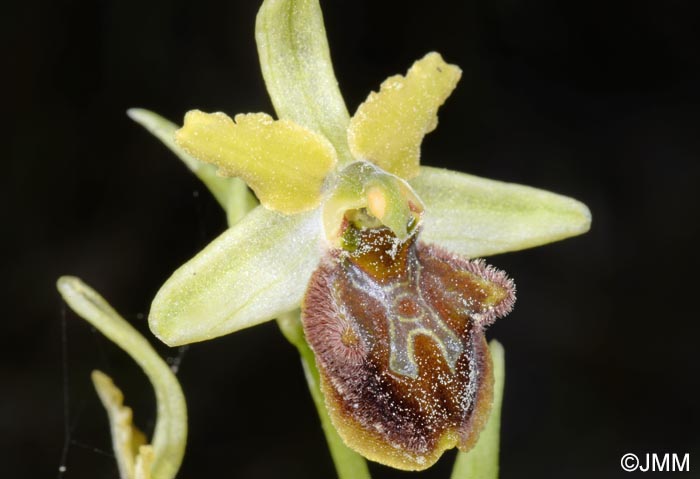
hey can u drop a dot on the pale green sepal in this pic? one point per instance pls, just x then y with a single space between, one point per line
477 217
482 461
348 463
231 193
170 433
253 272
298 71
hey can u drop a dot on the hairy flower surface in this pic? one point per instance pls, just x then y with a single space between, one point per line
374 247
398 332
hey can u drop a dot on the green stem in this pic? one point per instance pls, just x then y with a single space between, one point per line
232 193
348 463
482 461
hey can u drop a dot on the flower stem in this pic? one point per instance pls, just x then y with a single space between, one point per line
348 463
482 461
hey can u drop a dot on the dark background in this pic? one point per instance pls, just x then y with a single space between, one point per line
597 100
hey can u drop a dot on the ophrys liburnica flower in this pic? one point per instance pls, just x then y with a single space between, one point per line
373 247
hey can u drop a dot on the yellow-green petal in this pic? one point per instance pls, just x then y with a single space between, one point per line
298 71
126 438
144 463
388 128
283 163
253 272
476 217
231 193
170 434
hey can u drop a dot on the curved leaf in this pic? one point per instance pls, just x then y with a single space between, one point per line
253 272
170 433
476 217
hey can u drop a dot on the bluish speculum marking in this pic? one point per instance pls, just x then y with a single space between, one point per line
409 316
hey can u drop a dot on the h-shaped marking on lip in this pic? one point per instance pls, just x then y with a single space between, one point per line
403 329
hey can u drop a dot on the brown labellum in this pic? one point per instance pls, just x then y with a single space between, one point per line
398 333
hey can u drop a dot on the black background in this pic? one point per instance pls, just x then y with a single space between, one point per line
597 100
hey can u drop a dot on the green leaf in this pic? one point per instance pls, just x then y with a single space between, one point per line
482 461
251 273
298 71
477 217
170 433
348 463
231 193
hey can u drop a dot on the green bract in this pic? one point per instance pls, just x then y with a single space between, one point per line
135 458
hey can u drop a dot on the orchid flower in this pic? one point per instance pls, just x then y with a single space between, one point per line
377 250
